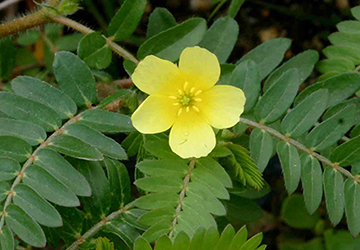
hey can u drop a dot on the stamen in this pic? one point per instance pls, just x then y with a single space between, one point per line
197 99
198 92
179 112
187 109
180 91
176 104
196 109
192 89
185 85
172 97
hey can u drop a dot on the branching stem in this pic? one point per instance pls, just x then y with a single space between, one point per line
182 196
300 146
99 225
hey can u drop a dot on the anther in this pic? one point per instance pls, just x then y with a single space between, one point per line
192 89
172 97
176 104
197 99
186 85
179 112
196 109
180 91
187 109
198 92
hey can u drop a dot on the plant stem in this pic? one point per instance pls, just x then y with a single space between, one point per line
300 146
99 225
83 29
29 162
182 196
7 3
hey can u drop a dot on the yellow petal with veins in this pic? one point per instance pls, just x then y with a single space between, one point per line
157 76
222 105
156 114
199 67
191 136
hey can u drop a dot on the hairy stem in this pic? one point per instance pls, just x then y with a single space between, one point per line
300 146
99 225
85 30
182 196
29 162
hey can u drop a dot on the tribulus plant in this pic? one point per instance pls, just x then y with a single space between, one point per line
166 150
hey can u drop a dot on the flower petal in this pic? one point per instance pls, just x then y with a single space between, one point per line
222 105
156 114
199 67
192 136
157 76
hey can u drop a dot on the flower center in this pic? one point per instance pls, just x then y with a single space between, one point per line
186 99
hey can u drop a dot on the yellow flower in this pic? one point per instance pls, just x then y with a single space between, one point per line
186 100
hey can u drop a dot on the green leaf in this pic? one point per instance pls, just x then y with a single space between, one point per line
347 153
295 214
246 77
118 96
106 122
249 192
343 52
226 73
220 39
303 62
4 189
173 168
211 238
62 170
160 19
226 237
119 182
33 134
334 194
261 148
197 239
356 12
239 239
243 209
94 51
49 187
234 7
160 214
9 168
6 239
74 147
335 65
181 242
198 191
253 242
311 179
332 129
300 119
158 200
99 203
34 205
352 206
7 57
158 184
355 131
14 148
123 230
68 42
215 169
278 98
24 226
142 244
349 27
157 230
39 91
170 43
340 88
291 165
29 37
345 39
28 110
126 19
104 144
268 55
343 105
164 243
161 149
75 78
104 244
